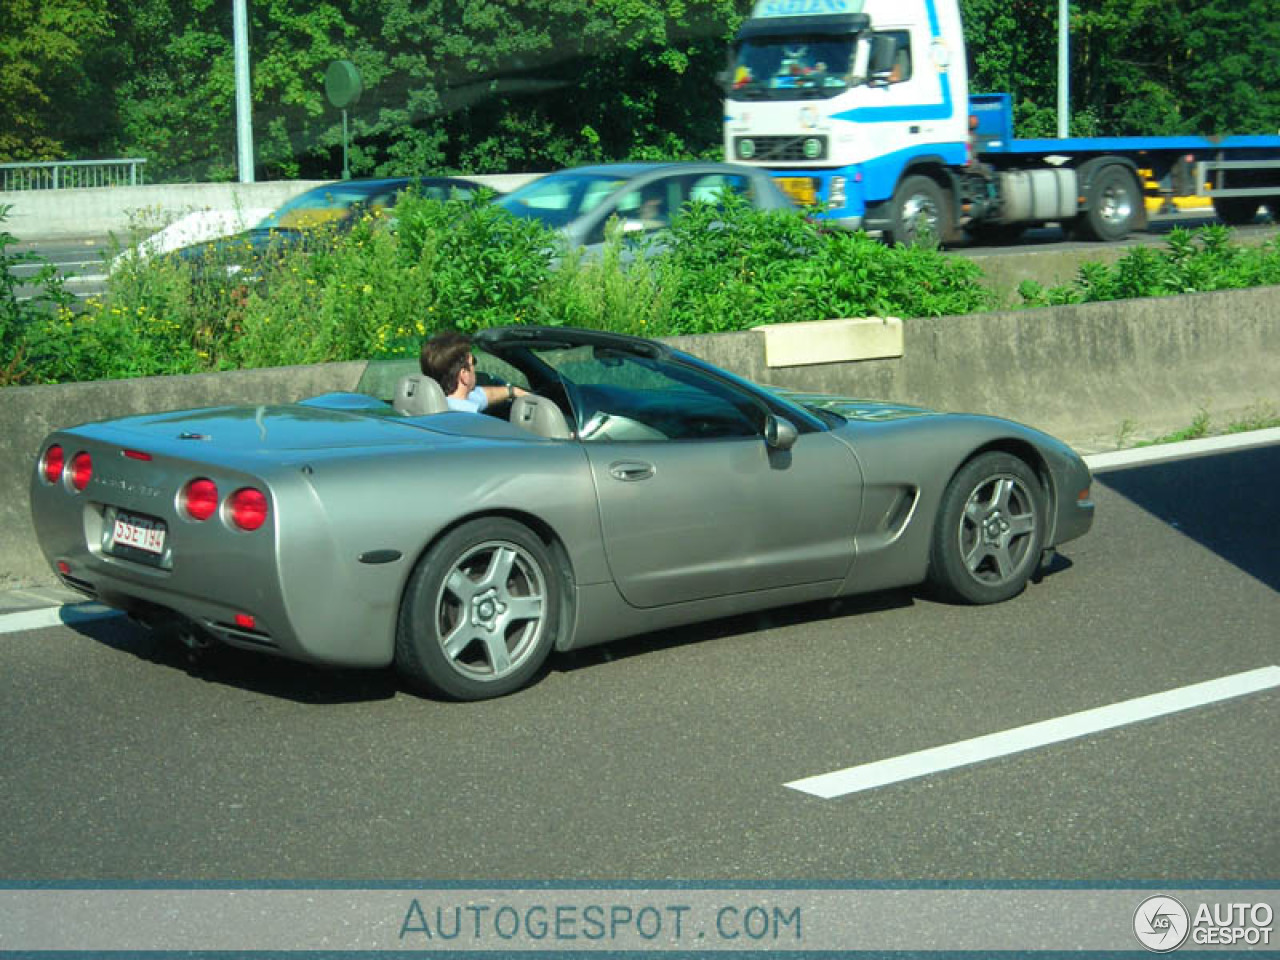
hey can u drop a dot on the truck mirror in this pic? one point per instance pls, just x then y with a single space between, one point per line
884 51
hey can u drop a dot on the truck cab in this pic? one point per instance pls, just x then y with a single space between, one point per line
840 98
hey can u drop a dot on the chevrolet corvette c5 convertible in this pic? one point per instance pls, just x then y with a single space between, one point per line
634 489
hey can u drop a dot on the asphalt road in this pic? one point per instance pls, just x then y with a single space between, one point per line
80 261
667 756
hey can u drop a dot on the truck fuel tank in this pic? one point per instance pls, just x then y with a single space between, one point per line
1038 195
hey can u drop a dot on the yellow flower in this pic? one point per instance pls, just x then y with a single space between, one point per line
367 288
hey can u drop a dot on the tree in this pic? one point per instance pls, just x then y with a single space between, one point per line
43 84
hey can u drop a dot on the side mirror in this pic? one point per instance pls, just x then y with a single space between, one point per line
779 434
884 51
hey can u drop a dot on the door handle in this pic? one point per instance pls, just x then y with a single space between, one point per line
628 470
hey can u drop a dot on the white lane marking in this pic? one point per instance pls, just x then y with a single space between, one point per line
909 766
1186 448
55 616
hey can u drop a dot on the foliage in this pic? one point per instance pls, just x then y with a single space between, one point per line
528 85
730 267
1192 262
45 95
467 264
490 86
1141 67
380 287
19 315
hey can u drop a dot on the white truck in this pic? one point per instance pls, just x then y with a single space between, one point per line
863 106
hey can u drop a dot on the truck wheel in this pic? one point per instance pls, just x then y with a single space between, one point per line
1114 211
920 213
1236 211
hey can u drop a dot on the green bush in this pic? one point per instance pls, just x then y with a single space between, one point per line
382 285
1192 262
18 317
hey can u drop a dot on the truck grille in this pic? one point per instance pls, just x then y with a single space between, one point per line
801 149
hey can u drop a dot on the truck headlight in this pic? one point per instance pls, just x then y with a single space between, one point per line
835 195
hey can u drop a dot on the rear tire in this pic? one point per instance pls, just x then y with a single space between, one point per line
480 613
989 533
1237 211
1114 208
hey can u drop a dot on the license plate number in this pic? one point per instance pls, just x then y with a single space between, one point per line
141 533
799 189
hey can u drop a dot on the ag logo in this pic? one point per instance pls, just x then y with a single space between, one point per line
1161 924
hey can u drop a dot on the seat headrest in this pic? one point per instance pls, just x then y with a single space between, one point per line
539 415
418 395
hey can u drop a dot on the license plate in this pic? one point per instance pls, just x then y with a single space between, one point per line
799 189
140 533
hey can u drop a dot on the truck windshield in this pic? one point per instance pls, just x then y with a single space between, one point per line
791 67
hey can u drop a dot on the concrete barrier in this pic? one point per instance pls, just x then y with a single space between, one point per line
1088 374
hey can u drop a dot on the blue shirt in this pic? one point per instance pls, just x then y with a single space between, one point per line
473 402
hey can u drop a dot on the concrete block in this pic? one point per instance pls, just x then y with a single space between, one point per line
831 341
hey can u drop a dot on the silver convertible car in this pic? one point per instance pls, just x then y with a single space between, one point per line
634 489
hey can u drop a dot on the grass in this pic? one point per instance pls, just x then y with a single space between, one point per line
1261 416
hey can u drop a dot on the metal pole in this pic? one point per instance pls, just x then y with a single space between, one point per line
1064 71
346 172
244 119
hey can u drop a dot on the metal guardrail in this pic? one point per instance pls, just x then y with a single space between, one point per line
72 174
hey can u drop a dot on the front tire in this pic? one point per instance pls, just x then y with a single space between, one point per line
990 530
481 611
920 213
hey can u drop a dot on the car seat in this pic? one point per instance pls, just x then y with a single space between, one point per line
539 415
418 395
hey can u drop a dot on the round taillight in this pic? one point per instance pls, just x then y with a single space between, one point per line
199 499
51 464
248 508
81 470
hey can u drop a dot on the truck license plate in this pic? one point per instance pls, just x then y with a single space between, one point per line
799 189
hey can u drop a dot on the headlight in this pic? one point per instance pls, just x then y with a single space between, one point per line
836 195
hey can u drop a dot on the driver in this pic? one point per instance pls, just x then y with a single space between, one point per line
447 359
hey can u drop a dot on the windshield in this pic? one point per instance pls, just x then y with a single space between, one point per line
788 68
316 207
560 198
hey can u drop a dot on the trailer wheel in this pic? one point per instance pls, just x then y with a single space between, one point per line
1236 211
1114 212
920 213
